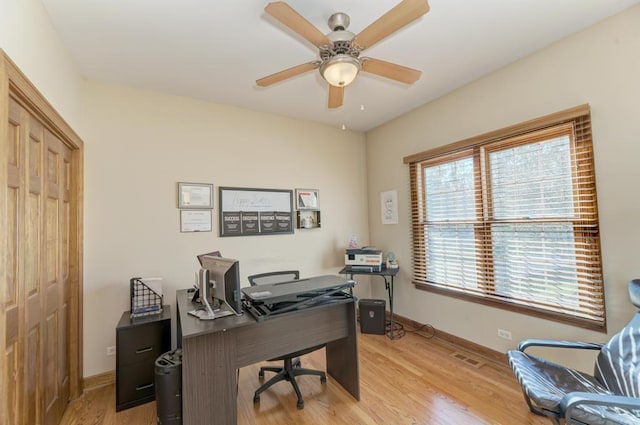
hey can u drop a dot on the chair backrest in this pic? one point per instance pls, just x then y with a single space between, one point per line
634 292
274 277
618 362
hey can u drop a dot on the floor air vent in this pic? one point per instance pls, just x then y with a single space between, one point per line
470 360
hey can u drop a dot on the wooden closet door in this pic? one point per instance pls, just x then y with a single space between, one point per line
56 277
36 372
31 256
13 367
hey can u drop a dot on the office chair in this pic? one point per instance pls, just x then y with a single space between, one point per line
292 366
610 396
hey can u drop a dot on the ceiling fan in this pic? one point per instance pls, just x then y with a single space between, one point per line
339 51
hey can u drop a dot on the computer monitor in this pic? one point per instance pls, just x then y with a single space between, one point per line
225 275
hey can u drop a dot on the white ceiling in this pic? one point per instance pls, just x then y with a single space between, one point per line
214 50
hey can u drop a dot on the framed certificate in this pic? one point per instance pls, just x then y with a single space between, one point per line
195 195
195 221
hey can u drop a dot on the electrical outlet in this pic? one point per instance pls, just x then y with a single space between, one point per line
504 334
111 351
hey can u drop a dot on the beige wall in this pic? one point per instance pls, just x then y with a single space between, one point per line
27 36
143 143
599 66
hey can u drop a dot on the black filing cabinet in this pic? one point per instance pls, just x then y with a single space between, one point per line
139 342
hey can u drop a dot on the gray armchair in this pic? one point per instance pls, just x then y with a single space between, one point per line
608 397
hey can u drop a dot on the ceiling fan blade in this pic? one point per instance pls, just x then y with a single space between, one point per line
336 95
287 73
391 70
296 22
402 14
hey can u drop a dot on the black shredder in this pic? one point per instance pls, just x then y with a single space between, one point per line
169 388
372 316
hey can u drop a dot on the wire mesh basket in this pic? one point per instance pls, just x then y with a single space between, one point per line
144 300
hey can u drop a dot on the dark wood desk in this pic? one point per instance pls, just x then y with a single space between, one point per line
388 284
213 350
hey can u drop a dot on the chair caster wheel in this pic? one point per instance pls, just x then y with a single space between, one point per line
300 405
261 374
256 398
323 379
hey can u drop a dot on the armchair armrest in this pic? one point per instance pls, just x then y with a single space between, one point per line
526 343
575 399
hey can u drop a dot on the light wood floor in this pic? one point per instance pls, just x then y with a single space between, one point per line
412 380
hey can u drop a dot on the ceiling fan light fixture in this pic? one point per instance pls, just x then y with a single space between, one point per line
340 70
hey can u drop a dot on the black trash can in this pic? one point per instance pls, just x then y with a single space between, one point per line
372 316
169 388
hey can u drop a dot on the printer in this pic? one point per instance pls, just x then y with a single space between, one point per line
365 259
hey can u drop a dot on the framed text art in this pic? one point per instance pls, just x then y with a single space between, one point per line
195 195
248 211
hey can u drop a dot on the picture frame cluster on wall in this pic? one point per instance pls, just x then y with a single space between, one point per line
308 208
195 201
246 211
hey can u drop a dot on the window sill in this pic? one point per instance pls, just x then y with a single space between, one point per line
505 305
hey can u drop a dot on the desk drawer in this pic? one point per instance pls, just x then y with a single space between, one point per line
135 382
145 343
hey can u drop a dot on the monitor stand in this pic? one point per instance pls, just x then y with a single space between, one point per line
206 313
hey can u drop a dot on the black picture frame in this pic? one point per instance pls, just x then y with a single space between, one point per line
254 211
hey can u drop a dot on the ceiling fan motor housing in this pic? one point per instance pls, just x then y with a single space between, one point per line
340 47
341 39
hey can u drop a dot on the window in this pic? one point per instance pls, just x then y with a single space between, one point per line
510 219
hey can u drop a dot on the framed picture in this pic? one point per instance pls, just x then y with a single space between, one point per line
307 199
195 221
249 212
195 195
389 207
